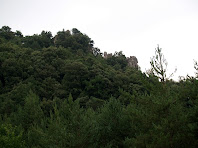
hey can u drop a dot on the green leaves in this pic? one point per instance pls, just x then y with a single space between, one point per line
31 113
111 124
10 138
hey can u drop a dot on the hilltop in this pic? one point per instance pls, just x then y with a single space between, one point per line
61 91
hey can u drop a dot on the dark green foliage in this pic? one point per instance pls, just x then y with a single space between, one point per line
74 79
118 61
6 33
76 40
31 113
112 125
38 42
60 92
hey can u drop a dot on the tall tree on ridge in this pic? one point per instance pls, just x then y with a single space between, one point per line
159 65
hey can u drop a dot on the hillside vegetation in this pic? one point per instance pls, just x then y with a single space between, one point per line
59 91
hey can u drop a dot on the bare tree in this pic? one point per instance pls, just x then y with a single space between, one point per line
159 65
196 67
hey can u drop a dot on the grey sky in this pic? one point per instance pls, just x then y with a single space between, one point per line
132 26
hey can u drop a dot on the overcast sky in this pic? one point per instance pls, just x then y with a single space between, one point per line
132 26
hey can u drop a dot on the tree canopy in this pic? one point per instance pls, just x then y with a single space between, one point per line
59 91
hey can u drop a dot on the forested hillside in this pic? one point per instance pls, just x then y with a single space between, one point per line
59 91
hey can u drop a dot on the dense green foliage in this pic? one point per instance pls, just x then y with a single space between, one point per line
60 92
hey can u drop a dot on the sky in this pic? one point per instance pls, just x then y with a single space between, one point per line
134 27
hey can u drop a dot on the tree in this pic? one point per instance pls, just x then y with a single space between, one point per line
96 51
111 128
75 31
31 113
196 67
159 65
118 60
46 39
9 137
18 33
63 38
5 29
6 33
74 79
